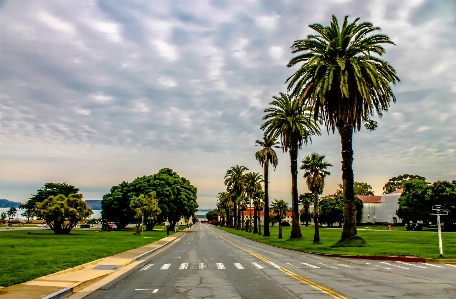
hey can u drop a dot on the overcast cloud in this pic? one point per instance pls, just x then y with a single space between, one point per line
93 93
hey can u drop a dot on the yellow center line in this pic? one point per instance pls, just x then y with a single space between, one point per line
307 281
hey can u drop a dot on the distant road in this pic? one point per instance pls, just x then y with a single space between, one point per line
209 263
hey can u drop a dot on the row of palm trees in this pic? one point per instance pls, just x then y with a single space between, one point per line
339 84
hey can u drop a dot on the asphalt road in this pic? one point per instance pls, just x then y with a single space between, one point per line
209 263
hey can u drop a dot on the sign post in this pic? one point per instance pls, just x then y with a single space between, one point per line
142 230
439 210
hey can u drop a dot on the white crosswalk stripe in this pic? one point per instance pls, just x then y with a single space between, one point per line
201 266
165 267
220 266
146 267
239 266
409 264
310 265
274 265
258 266
183 266
386 263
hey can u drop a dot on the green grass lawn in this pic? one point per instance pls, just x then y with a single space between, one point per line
28 254
381 241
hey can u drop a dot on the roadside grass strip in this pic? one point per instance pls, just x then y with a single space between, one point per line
306 281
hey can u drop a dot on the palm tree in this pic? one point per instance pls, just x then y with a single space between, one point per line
242 208
294 124
252 181
314 167
305 200
280 209
235 182
258 203
265 156
224 202
344 84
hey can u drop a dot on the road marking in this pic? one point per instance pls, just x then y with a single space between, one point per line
183 266
331 266
418 266
201 266
220 266
385 263
165 267
345 266
434 265
274 265
142 289
146 267
308 282
154 291
450 265
382 267
311 266
239 266
258 266
293 265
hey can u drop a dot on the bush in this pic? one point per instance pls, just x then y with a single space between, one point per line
285 223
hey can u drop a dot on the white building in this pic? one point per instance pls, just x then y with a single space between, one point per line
381 208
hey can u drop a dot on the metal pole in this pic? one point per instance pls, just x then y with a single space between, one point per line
440 236
142 230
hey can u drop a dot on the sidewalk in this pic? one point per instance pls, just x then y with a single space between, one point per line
66 282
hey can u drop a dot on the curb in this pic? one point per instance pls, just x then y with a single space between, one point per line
65 292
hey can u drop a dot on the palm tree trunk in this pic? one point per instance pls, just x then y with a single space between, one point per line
242 220
349 228
295 229
316 219
255 224
280 229
235 215
238 220
266 200
259 222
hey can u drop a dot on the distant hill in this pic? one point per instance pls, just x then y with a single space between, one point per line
5 203
94 204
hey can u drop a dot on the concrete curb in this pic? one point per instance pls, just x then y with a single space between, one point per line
65 292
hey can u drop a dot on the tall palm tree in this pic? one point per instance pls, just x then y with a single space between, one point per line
294 124
235 182
305 200
280 209
314 167
252 181
265 156
344 83
242 208
224 202
258 203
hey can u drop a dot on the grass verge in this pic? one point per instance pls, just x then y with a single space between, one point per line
28 254
381 242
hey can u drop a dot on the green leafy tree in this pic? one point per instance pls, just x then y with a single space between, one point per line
49 189
3 216
11 213
212 215
252 183
305 200
294 124
444 193
267 155
280 209
224 202
144 206
315 172
62 213
360 188
344 83
116 205
412 202
395 183
332 210
234 181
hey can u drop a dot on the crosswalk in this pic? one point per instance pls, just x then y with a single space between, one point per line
385 265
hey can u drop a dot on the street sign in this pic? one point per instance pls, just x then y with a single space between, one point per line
439 212
438 207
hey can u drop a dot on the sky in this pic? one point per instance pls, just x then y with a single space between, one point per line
94 93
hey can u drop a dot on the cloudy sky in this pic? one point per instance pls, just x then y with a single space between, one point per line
93 93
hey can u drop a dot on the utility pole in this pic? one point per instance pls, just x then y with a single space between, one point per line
439 210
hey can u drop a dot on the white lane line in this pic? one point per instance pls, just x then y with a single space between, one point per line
450 265
311 266
258 266
433 265
293 265
154 291
408 264
201 266
381 267
165 267
385 263
183 266
142 289
220 266
328 266
146 267
274 265
239 266
345 266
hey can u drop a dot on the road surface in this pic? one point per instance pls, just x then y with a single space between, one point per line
210 263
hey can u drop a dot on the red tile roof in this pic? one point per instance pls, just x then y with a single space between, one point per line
370 199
